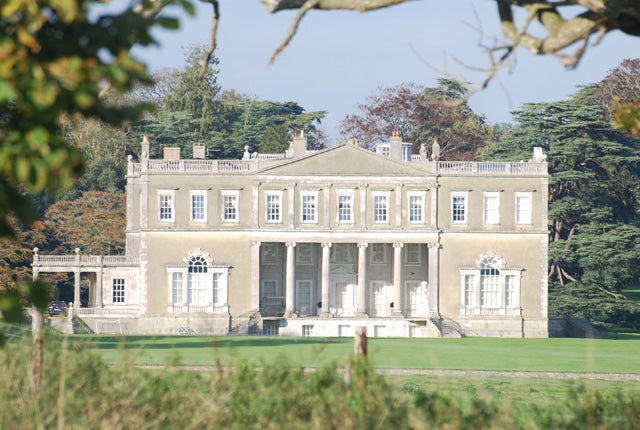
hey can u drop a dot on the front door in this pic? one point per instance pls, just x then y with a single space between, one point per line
344 298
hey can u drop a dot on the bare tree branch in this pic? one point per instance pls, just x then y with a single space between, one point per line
308 4
212 37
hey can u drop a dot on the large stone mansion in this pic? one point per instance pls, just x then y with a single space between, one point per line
315 243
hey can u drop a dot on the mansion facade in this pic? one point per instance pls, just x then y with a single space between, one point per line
316 243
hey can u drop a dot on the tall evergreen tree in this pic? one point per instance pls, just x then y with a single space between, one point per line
594 197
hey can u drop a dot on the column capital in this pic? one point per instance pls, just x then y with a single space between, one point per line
290 244
257 183
398 244
255 244
433 245
328 185
362 244
363 185
326 244
292 184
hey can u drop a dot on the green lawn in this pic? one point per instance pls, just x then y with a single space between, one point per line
548 355
632 294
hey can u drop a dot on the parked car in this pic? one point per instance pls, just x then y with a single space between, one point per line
57 308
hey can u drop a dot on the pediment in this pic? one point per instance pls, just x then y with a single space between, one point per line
341 161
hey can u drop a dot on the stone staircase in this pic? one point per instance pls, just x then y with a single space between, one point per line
448 327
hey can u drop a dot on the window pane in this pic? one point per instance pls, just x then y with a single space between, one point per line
469 290
523 209
308 208
459 208
273 208
197 207
491 210
166 207
176 285
344 209
380 205
118 292
230 207
416 209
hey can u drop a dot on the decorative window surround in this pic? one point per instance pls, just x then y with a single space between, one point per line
459 207
416 209
230 208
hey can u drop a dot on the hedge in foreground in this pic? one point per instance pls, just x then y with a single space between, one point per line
81 392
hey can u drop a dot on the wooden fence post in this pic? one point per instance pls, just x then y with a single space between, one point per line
360 342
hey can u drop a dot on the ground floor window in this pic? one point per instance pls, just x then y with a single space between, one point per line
118 290
199 286
307 330
270 328
490 288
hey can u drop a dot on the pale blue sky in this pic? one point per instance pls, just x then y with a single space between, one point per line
339 57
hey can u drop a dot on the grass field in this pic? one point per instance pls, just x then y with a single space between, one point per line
539 355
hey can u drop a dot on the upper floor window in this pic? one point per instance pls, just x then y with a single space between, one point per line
230 206
381 207
198 206
345 206
491 208
459 208
166 209
118 290
274 206
416 207
523 208
304 253
309 209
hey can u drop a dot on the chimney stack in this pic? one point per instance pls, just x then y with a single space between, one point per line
395 146
299 145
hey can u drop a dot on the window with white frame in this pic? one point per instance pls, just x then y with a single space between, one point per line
345 206
274 206
491 208
523 208
381 207
198 286
416 207
166 206
309 209
230 211
491 288
377 253
198 206
307 330
459 207
412 252
118 290
304 253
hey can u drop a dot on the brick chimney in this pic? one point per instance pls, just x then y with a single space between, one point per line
395 146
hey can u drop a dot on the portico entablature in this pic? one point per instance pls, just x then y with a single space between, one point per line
344 237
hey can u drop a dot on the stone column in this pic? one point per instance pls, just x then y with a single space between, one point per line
361 297
434 287
76 281
254 282
290 279
326 255
397 278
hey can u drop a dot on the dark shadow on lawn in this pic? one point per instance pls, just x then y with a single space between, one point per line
173 342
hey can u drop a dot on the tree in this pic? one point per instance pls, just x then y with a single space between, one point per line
420 115
619 94
594 199
94 222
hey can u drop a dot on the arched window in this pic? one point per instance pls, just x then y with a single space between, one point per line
198 285
490 288
489 283
197 281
